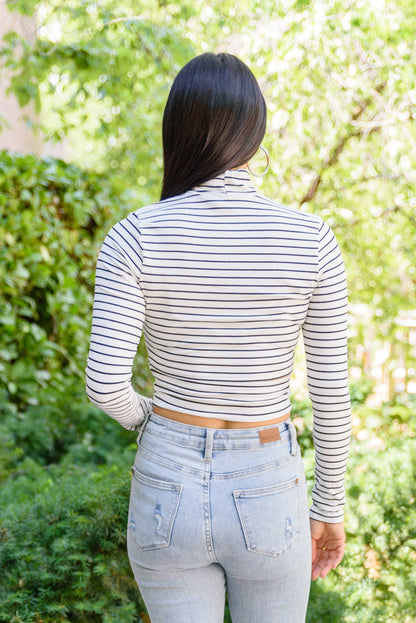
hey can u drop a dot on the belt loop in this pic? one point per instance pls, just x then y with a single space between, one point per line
143 426
208 443
293 439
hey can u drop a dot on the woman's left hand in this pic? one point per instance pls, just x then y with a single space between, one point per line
328 545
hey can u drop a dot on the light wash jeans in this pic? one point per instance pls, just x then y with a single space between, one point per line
215 512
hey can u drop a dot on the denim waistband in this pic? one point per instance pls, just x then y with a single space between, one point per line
216 438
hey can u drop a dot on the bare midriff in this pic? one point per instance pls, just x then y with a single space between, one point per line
208 422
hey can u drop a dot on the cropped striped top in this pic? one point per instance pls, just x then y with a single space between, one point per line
221 280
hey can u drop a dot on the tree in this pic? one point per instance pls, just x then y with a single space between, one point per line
340 86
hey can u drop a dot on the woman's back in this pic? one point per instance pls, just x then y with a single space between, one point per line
226 276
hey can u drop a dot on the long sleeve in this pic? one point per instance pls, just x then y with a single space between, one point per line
118 317
325 339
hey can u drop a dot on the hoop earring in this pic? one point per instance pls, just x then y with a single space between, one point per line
266 153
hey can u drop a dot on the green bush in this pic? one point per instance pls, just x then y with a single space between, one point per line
63 551
360 390
64 465
63 425
53 219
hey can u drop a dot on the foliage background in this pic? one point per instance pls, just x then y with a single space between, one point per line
340 85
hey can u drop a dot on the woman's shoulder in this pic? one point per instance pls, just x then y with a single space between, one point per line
158 208
291 213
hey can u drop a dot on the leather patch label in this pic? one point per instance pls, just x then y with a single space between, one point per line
269 434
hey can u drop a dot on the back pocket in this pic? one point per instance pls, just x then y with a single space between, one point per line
269 517
152 512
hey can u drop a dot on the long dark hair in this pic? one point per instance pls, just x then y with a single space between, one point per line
214 120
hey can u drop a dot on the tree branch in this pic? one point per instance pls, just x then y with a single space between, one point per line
333 155
401 210
133 18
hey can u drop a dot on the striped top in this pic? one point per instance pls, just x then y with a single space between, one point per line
221 280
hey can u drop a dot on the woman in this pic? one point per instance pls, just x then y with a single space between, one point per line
221 280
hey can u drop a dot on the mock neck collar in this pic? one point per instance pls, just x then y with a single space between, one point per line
235 180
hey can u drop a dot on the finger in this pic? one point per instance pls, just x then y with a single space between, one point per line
319 564
337 556
314 549
326 560
323 564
